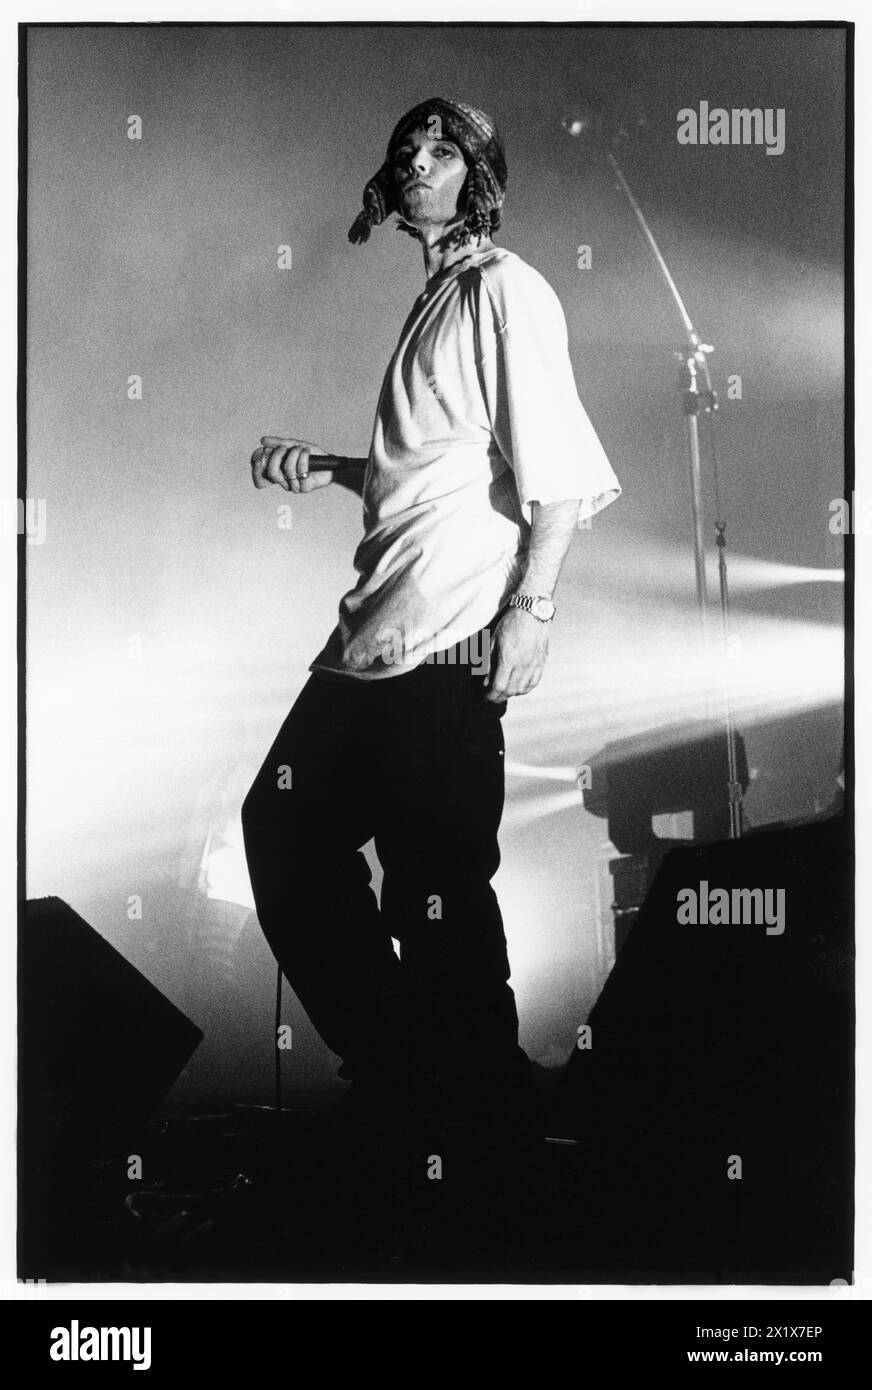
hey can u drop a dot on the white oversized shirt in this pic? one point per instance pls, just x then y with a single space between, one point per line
478 417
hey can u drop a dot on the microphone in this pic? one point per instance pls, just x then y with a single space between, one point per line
320 463
334 463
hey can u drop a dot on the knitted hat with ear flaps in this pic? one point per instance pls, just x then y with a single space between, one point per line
482 147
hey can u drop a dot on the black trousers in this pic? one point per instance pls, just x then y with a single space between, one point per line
414 761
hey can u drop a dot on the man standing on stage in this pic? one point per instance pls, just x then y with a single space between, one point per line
482 463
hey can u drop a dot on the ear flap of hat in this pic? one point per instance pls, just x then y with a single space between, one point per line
377 203
482 210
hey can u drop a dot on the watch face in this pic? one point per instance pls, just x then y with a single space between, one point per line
543 609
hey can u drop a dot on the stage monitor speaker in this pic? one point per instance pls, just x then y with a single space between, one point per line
99 1045
714 1103
664 771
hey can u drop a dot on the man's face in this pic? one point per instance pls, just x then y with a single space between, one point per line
429 173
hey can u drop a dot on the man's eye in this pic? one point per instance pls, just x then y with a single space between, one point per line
402 157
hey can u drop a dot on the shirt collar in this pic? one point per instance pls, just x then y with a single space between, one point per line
448 272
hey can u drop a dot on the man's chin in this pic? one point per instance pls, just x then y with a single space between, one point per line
415 203
422 217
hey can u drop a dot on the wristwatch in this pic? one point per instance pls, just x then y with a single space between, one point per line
541 608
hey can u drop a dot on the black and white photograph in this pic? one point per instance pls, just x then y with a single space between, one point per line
435 533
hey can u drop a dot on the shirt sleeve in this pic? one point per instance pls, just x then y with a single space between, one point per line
541 427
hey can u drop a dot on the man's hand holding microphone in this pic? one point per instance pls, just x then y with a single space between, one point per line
297 465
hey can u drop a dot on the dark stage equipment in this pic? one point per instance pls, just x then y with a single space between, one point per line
714 1043
664 771
98 1047
98 1044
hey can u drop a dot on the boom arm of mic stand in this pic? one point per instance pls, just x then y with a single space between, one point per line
694 359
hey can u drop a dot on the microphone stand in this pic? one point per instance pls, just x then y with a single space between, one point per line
693 364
